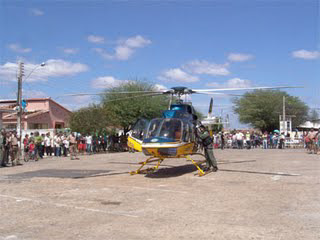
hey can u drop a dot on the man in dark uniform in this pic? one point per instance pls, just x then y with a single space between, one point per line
6 148
2 144
208 149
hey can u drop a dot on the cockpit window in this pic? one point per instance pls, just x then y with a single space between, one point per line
154 127
138 130
186 133
166 128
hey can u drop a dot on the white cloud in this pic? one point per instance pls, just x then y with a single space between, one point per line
304 54
53 68
125 48
70 50
96 39
239 57
204 67
232 83
177 75
103 53
74 103
36 12
107 82
58 67
136 42
17 48
123 52
159 87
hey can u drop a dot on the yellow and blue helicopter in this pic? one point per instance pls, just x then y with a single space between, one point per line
175 134
172 136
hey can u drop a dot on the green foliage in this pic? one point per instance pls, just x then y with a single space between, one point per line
123 113
89 120
261 109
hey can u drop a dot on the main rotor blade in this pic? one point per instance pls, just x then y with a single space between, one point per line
219 94
136 92
104 93
238 89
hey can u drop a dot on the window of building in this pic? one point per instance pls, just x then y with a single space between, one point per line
9 126
38 125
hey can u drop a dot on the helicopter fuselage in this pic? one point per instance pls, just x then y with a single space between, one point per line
173 135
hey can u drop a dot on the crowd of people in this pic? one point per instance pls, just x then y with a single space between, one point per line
265 140
35 146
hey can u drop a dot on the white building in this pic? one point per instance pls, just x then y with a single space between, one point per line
308 125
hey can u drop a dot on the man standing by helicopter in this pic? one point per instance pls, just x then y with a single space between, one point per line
208 148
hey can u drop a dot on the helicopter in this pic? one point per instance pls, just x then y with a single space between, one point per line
174 135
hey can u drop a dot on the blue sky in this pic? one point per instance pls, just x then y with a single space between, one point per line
90 45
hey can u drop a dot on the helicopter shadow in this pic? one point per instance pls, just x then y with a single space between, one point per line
131 163
172 171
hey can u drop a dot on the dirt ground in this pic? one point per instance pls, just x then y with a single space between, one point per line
256 194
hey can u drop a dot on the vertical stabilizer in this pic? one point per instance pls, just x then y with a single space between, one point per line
210 108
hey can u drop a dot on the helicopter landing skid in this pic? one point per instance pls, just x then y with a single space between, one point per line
148 170
197 163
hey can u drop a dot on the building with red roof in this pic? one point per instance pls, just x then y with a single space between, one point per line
40 113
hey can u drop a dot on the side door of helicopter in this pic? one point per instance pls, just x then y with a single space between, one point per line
137 134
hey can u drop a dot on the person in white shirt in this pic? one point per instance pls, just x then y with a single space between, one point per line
65 147
239 137
89 143
57 142
47 144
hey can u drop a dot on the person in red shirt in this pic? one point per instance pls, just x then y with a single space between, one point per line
312 135
32 152
26 144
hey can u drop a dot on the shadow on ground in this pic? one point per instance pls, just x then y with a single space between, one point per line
172 171
58 173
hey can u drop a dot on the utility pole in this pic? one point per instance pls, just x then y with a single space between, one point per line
20 108
284 114
19 97
19 105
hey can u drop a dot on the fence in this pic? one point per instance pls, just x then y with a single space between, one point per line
294 143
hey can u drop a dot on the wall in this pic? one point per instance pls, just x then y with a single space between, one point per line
38 105
59 114
43 118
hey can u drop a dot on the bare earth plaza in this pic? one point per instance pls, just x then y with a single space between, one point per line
267 194
159 120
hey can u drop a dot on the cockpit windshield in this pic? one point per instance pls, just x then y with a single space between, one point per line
165 128
153 127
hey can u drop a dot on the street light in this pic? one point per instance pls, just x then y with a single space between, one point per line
40 65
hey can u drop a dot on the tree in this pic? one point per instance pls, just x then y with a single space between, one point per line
124 109
313 115
261 109
89 120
